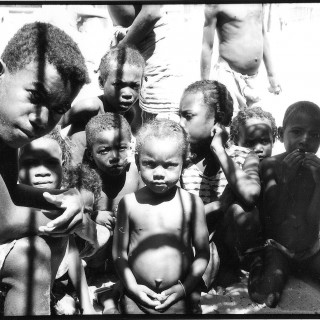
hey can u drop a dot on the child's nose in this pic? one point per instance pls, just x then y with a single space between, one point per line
258 148
158 172
114 156
40 117
42 171
127 95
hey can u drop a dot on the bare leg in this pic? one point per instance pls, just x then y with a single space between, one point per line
268 276
27 272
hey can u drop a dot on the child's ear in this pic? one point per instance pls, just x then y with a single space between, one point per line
280 134
3 67
136 158
88 154
101 83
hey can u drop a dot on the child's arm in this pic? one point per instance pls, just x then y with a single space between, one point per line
267 59
120 246
312 162
17 220
276 174
78 277
142 24
80 112
210 21
200 242
244 183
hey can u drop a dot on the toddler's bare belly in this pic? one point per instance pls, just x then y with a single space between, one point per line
166 263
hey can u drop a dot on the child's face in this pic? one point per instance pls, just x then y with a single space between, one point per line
256 134
194 117
40 164
110 151
160 164
31 107
302 132
122 87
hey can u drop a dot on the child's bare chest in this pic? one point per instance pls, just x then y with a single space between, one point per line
161 218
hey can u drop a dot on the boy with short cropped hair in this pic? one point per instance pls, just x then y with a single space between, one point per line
41 72
121 71
158 227
108 151
290 206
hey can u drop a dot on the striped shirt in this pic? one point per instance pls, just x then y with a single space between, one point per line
210 188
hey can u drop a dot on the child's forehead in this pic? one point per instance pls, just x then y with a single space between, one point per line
43 144
258 121
303 118
119 134
115 65
161 143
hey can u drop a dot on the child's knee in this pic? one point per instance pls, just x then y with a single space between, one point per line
29 259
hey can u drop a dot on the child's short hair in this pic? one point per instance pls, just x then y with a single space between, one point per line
106 121
161 129
39 41
82 176
122 55
249 113
216 97
295 109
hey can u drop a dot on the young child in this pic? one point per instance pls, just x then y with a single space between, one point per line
255 129
42 163
290 206
108 150
206 107
121 71
158 226
41 72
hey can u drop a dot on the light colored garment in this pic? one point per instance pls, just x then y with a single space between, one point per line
5 250
243 88
163 84
210 188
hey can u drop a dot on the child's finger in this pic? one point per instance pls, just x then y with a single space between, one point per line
54 199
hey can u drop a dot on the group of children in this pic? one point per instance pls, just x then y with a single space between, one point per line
183 206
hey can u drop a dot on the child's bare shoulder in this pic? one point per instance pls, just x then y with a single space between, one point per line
189 199
91 104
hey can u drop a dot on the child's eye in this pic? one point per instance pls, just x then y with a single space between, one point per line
61 109
123 148
117 84
315 135
104 151
35 97
148 164
265 141
187 116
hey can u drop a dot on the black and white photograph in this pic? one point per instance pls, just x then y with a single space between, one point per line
154 156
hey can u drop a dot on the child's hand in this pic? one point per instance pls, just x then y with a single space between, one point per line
106 218
312 162
146 296
220 137
274 85
172 295
72 216
118 35
290 165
